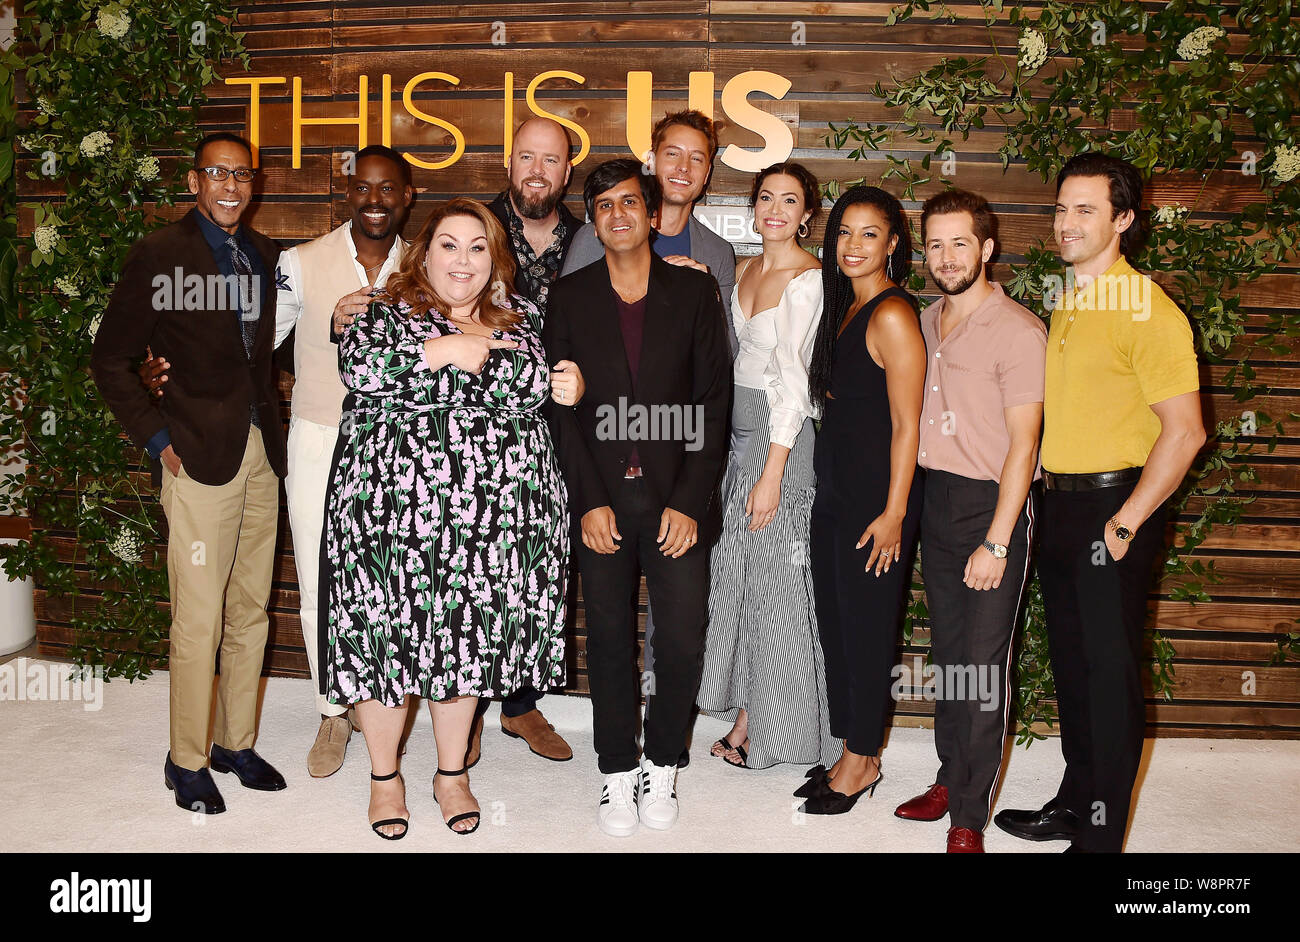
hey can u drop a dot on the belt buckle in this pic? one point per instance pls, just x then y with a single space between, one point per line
632 473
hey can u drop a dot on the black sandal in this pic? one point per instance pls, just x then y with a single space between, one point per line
404 822
463 816
740 751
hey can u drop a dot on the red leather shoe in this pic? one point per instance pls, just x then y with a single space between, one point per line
931 806
965 841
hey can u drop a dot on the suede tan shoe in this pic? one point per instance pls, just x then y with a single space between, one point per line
475 750
540 735
326 754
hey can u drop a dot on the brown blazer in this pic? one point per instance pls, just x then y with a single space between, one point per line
211 381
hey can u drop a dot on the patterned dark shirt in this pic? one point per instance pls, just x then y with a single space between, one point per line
536 273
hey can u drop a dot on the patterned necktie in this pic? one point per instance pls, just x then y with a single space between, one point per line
248 314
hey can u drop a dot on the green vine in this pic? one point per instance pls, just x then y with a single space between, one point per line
1196 108
116 87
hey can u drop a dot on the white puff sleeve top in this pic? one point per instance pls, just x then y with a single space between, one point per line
775 350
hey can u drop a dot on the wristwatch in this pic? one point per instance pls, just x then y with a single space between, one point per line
1122 533
997 549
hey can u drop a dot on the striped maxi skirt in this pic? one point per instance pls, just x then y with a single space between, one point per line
763 653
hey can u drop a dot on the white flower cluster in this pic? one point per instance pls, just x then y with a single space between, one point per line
96 144
146 169
1198 42
1033 50
1286 162
125 545
111 23
68 287
94 324
1169 214
47 237
45 104
1237 66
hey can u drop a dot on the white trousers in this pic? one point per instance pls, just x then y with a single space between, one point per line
311 449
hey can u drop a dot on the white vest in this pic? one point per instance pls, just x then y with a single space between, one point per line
328 273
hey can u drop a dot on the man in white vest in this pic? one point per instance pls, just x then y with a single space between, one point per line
310 279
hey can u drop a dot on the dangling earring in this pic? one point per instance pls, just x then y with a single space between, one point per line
803 230
889 267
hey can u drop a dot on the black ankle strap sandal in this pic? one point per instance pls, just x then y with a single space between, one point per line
404 822
465 816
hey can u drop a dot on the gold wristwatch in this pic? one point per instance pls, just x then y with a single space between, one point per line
1122 533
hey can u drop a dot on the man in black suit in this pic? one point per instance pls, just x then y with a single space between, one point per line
200 293
642 455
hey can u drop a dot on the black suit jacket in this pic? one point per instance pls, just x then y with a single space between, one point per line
211 380
685 362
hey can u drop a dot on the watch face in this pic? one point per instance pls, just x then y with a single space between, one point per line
1124 533
1000 552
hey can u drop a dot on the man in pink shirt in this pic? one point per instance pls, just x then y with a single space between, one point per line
980 423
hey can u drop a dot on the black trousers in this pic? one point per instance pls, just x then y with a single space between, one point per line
1096 613
679 592
970 638
859 614
523 700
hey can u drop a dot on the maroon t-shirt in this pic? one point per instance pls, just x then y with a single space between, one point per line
631 318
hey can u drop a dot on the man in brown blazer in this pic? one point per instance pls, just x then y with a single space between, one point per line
201 293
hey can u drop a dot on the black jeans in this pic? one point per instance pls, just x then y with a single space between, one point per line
1096 613
970 638
679 592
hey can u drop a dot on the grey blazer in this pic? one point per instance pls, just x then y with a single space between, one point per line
707 247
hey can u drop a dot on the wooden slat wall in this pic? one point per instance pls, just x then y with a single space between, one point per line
330 43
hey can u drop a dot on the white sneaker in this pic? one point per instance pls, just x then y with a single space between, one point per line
658 805
617 814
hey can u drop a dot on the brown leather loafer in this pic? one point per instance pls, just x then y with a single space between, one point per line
326 754
540 735
965 841
931 806
475 750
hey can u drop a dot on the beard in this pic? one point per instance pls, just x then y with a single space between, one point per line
964 281
531 206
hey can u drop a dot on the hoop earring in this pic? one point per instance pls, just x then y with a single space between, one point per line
803 230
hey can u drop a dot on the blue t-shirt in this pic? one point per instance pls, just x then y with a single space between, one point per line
679 244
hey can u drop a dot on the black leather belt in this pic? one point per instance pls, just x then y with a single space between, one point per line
1090 482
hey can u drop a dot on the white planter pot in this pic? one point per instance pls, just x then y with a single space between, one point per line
17 616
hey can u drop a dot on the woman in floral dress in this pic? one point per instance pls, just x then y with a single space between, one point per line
447 534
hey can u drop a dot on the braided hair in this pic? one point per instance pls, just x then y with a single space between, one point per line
837 288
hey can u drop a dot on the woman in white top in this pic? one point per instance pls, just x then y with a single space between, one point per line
763 666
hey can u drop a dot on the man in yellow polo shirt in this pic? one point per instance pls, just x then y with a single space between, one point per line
1121 426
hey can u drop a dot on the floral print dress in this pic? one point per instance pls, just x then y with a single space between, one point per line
447 528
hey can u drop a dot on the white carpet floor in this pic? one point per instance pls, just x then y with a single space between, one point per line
79 780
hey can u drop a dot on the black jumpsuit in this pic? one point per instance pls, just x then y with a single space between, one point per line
858 613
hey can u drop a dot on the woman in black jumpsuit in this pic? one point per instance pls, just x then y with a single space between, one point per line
868 370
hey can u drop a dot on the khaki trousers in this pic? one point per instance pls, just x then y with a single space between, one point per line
220 554
311 452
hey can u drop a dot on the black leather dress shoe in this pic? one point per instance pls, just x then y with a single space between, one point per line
1049 823
253 771
195 791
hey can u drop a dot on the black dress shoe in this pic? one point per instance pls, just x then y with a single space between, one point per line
195 791
253 771
1049 823
685 758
